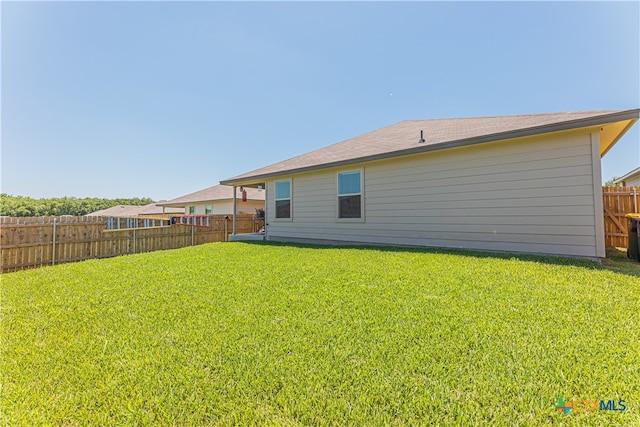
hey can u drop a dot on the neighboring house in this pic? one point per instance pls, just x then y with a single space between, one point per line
157 210
217 200
629 180
152 209
118 211
526 183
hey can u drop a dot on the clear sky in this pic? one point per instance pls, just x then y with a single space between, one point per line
126 99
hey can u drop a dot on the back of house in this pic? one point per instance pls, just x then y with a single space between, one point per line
528 183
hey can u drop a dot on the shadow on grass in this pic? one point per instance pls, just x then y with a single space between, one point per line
616 260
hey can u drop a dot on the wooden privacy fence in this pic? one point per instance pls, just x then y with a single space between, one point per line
617 202
32 242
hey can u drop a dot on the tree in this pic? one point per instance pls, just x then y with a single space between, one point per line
610 183
26 206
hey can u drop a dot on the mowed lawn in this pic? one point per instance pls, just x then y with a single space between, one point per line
274 334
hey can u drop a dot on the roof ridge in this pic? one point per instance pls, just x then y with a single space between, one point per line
511 115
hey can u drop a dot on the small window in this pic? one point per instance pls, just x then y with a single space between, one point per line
208 209
192 210
350 195
283 199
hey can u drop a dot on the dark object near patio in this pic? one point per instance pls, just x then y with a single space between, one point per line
260 213
633 249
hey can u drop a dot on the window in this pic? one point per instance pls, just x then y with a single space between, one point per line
350 195
192 210
208 209
283 199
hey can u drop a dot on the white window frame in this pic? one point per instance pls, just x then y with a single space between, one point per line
290 199
361 194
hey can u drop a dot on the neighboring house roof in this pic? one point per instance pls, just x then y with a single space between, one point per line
402 138
633 174
213 194
127 210
120 210
156 208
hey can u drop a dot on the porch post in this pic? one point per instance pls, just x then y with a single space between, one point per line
234 229
265 211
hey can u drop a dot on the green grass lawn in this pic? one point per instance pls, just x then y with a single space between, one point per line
246 334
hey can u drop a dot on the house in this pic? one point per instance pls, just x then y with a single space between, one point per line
218 199
629 180
157 210
524 183
149 210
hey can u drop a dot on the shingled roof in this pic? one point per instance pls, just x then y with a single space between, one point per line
212 194
129 210
120 210
403 138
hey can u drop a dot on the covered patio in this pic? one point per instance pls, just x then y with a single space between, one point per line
241 192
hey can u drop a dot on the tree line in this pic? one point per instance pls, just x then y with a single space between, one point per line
26 206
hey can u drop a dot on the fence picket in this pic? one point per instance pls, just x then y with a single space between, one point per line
618 202
28 242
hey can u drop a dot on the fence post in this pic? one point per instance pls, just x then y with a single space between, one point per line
53 251
83 242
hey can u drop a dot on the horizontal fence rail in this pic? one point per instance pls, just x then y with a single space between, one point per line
33 242
617 202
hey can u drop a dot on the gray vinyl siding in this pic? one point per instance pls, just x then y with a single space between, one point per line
531 195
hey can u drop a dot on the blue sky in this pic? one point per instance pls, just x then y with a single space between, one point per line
126 99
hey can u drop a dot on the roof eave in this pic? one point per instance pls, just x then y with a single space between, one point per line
183 204
520 133
636 171
617 136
